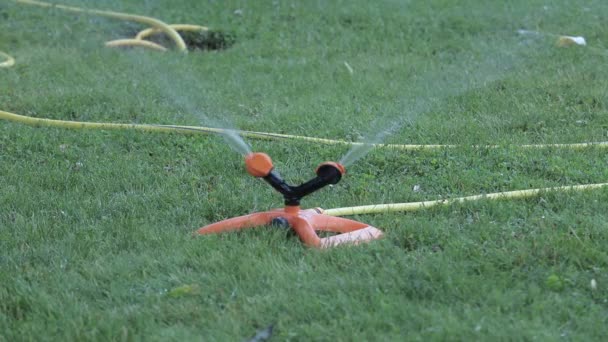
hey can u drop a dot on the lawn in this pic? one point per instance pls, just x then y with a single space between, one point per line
96 226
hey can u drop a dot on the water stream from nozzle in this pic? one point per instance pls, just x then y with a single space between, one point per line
188 95
486 63
360 149
236 142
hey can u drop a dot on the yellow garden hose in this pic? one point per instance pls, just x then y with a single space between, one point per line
30 121
157 24
139 39
413 206
8 60
143 34
135 42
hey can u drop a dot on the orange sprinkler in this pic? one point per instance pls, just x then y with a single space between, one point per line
305 223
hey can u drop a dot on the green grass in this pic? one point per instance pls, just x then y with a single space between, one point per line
95 226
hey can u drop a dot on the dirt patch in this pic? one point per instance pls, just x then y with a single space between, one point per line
208 40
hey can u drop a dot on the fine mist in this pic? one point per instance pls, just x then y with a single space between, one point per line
176 79
490 61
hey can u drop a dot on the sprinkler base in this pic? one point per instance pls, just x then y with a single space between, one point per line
305 223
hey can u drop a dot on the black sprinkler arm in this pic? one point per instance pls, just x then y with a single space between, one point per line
327 173
260 165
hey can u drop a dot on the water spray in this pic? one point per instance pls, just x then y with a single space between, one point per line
305 223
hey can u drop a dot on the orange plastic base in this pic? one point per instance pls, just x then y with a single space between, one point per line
305 223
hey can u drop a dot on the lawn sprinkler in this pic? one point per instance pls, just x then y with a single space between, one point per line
305 223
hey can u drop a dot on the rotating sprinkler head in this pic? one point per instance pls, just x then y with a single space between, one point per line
304 222
260 165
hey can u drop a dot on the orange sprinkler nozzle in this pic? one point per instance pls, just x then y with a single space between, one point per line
332 172
338 166
258 164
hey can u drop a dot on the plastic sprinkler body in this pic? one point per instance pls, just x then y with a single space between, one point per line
304 222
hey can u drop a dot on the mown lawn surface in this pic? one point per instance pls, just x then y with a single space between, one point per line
95 226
